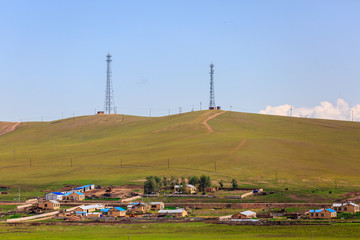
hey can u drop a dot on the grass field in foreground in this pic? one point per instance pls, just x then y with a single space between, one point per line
179 231
255 149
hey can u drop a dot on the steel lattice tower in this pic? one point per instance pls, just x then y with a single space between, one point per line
109 95
212 104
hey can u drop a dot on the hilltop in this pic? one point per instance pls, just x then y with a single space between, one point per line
117 149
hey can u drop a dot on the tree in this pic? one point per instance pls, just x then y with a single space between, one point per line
165 182
152 184
194 180
204 182
221 183
234 183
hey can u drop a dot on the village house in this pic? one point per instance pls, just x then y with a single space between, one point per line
322 213
244 215
188 189
85 188
49 205
89 208
54 196
137 207
105 211
74 196
157 206
116 212
348 207
173 213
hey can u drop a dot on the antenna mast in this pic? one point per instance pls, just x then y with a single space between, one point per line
212 104
109 94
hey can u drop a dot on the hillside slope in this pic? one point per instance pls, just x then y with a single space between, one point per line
121 149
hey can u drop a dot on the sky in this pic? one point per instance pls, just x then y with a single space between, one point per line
269 56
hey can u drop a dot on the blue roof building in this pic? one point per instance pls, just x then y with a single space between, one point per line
322 213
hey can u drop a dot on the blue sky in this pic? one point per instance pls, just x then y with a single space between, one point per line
266 53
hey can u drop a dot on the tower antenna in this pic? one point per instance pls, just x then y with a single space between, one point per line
212 104
109 94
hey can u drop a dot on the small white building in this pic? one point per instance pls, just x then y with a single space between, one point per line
89 208
173 212
54 196
85 188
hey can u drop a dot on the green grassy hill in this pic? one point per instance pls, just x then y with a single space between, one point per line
252 148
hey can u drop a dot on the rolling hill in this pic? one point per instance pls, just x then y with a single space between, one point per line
114 149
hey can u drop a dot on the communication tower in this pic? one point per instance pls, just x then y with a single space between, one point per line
109 94
212 104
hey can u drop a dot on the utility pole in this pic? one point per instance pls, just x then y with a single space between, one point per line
180 110
200 106
291 110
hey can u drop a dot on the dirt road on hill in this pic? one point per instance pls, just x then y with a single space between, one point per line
8 127
209 118
242 143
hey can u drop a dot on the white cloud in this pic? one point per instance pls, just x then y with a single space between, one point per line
341 110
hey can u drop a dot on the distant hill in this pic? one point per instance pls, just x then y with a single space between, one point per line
114 149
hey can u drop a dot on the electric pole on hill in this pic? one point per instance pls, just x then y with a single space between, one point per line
212 104
109 94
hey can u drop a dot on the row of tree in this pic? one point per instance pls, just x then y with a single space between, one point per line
154 184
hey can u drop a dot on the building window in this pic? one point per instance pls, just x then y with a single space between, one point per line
312 214
339 208
345 208
322 214
316 214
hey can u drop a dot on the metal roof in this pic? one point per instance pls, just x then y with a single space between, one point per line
180 210
330 210
105 209
89 185
92 206
57 193
316 211
68 193
55 202
119 208
154 203
247 213
337 204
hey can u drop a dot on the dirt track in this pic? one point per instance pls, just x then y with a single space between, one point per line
209 118
8 127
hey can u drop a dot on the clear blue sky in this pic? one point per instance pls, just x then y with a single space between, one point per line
52 55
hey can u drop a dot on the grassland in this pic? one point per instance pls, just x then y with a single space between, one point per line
258 150
178 231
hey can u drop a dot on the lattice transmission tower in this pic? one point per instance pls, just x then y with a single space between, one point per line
212 104
109 93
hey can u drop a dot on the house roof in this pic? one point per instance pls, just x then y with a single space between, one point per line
180 210
330 210
337 204
316 211
78 212
248 213
320 210
105 209
55 202
188 185
154 203
92 206
81 187
69 193
57 193
119 209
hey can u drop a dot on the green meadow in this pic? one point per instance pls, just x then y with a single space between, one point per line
257 150
178 231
